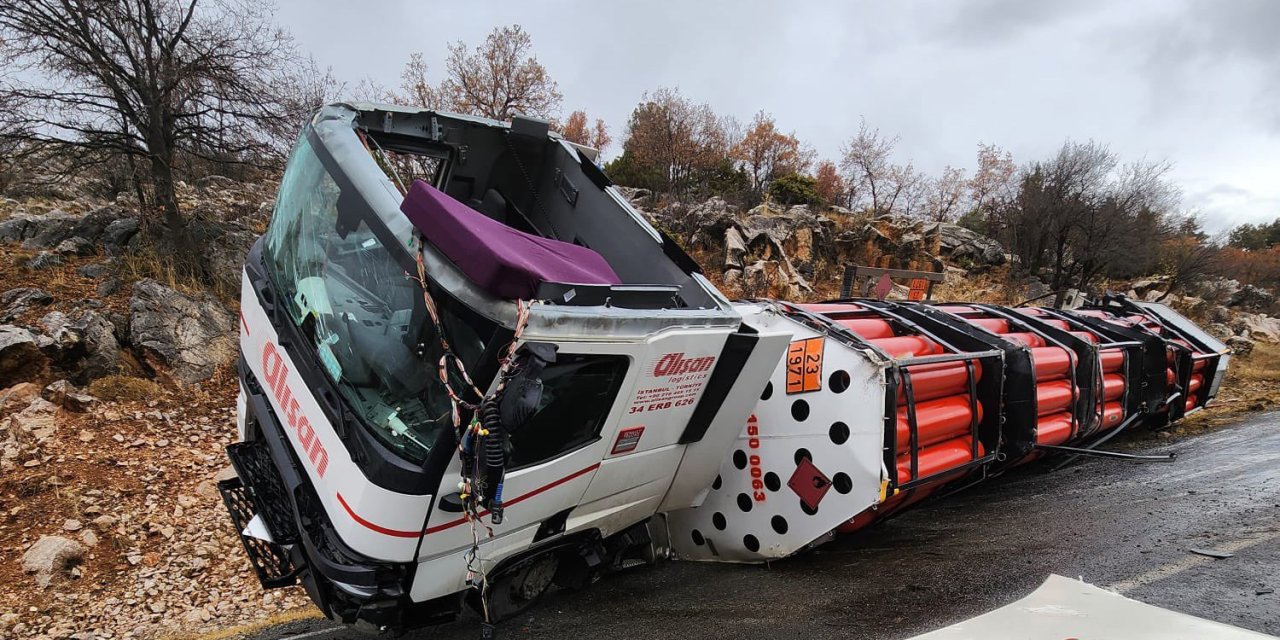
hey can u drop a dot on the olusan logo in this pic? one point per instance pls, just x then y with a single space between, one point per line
275 373
675 364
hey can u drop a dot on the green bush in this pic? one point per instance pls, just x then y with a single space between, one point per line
795 188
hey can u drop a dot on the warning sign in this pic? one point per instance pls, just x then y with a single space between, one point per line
804 366
919 289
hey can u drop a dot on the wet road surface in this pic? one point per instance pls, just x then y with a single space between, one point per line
1122 525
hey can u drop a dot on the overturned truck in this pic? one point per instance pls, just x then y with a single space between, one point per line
471 370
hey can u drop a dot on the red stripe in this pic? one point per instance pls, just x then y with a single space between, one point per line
244 323
397 533
400 533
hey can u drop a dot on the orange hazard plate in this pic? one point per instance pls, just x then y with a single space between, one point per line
919 288
804 365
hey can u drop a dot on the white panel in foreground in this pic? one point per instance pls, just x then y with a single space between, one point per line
1066 608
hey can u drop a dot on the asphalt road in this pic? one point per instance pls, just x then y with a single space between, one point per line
1122 525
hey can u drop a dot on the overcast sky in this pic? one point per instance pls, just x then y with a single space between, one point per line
1196 82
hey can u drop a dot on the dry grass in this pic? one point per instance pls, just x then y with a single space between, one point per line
121 388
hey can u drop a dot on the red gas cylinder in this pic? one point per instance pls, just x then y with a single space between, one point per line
994 325
1026 339
1057 322
1199 364
1112 359
1086 336
1169 377
907 346
929 381
1053 429
868 328
1052 397
1191 404
1112 386
1197 381
1112 414
937 420
1051 362
830 307
938 458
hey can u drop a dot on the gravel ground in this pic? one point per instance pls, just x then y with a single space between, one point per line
1126 526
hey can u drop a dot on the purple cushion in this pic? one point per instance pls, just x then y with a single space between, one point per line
503 261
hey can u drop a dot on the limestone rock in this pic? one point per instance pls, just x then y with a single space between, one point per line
51 556
191 336
15 302
20 356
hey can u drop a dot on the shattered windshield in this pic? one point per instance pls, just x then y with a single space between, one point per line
361 312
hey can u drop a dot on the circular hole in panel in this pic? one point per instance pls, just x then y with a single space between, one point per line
839 432
697 538
800 410
740 459
779 524
803 454
715 486
768 391
749 541
718 520
842 483
744 502
839 381
771 481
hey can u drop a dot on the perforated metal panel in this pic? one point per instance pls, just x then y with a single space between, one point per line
805 462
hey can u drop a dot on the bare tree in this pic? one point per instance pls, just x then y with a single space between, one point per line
945 196
146 81
415 87
500 78
995 181
873 180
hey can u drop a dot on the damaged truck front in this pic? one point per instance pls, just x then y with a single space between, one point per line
413 426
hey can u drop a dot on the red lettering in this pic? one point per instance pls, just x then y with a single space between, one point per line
276 375
271 365
666 364
319 457
305 433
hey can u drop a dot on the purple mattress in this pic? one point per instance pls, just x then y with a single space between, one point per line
503 261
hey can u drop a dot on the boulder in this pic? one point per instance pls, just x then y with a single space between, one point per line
66 339
118 235
44 260
1252 298
1257 327
16 302
96 270
66 395
74 246
965 245
191 336
51 556
21 358
46 231
19 395
102 353
1240 346
735 249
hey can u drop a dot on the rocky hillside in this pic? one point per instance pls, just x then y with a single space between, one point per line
798 253
116 401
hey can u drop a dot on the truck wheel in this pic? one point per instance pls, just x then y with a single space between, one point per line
518 587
